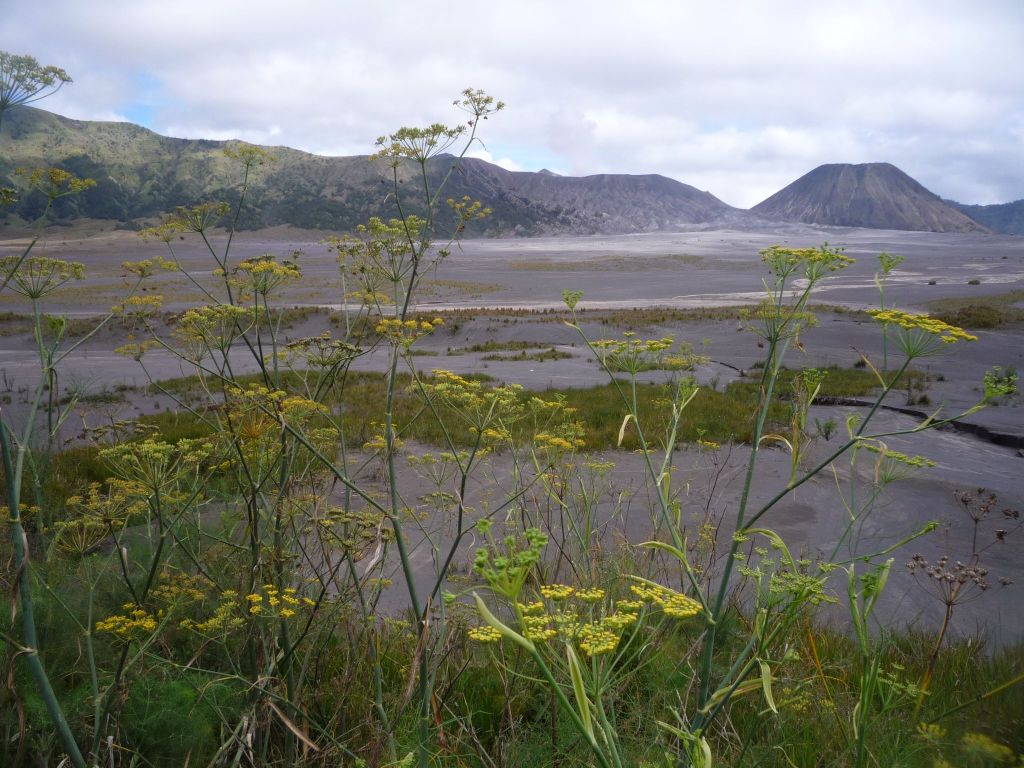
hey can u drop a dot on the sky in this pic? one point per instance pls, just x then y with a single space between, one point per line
737 98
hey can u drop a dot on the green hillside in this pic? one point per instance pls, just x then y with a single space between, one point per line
141 174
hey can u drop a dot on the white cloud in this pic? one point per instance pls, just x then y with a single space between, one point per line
504 162
734 97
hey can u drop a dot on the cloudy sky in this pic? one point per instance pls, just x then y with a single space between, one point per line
738 98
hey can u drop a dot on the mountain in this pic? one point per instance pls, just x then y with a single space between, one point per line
601 203
874 195
141 175
1002 218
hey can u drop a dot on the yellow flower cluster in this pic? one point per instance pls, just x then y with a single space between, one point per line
152 465
139 306
418 144
198 218
630 354
480 406
674 604
278 400
215 325
568 623
224 618
531 609
596 639
467 209
35 276
148 267
166 231
405 333
557 592
619 621
54 182
322 351
784 260
493 435
271 601
378 443
592 595
557 443
538 628
265 273
485 634
248 154
135 350
179 588
94 516
134 622
629 606
949 334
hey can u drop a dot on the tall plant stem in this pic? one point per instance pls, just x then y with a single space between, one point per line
21 564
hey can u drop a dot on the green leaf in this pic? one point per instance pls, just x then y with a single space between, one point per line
766 684
506 631
691 741
582 702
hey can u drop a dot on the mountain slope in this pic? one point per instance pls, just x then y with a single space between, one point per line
141 175
1002 218
874 195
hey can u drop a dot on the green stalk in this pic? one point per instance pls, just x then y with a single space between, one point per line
22 571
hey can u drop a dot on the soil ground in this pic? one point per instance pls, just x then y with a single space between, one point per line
691 270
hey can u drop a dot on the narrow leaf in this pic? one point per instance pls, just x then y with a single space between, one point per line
766 684
622 429
582 702
506 631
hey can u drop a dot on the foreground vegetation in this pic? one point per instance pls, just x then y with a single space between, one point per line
217 586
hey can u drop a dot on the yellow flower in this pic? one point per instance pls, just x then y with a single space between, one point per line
674 604
531 609
619 621
484 634
595 639
134 623
557 591
629 606
947 333
36 276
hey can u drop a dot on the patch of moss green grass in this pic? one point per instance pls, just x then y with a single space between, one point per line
499 346
712 415
838 382
980 312
541 356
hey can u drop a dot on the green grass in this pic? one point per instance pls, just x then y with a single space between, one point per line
717 416
499 346
838 382
541 356
433 286
637 318
510 711
980 312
